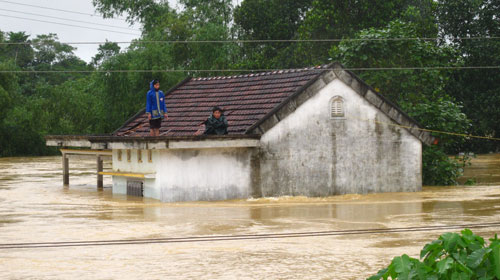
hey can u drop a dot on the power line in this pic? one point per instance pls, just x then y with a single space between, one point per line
197 239
65 24
276 70
428 130
252 70
266 41
55 9
74 20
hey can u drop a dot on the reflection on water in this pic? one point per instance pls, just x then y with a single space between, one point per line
35 207
485 170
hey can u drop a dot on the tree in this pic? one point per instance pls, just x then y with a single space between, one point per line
20 51
49 51
147 12
52 55
477 89
105 52
269 20
342 19
8 88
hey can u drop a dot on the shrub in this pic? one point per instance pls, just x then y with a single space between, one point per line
451 256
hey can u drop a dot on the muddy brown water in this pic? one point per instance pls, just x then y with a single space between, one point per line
35 207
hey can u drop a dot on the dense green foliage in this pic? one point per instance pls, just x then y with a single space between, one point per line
461 101
478 89
421 94
451 256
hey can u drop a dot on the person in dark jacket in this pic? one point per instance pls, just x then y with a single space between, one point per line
216 124
155 107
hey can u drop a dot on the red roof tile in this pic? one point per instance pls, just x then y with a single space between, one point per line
246 99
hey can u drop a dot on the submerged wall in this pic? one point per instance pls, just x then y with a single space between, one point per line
205 174
191 174
136 164
310 153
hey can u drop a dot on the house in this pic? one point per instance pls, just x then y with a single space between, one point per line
317 131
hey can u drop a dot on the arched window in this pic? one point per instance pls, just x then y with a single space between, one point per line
337 107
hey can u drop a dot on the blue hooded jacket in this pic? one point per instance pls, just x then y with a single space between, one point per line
155 102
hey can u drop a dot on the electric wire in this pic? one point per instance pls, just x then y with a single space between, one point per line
55 9
252 70
267 70
72 25
312 69
73 20
307 69
197 239
264 41
427 130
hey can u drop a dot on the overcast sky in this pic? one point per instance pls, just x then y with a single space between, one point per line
17 15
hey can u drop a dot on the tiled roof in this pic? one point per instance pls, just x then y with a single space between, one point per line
246 99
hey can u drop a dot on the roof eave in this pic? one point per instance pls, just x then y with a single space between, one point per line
100 142
175 142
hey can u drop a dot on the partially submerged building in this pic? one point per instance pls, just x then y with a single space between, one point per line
315 132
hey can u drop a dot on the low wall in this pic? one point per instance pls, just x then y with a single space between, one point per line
204 174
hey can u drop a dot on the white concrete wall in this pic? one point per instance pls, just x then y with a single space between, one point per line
119 185
189 174
203 174
308 153
134 166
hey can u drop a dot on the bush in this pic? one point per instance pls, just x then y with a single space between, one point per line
439 169
451 256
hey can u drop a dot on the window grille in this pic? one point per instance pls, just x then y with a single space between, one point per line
129 155
337 107
139 156
119 155
135 188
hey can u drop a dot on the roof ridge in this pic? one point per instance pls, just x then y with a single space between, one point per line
264 73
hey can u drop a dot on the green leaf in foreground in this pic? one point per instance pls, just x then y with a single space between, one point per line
452 256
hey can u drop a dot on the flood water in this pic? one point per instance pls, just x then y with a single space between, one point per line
35 207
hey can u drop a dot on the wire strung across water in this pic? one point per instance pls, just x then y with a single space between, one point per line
194 239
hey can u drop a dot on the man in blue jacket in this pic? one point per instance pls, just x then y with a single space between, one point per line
155 107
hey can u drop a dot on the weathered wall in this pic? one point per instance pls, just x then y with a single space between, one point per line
204 174
192 174
309 153
134 166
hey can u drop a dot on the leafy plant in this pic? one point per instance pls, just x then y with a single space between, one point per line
452 256
439 169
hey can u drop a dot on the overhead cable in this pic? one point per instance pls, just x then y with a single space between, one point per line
427 130
265 41
55 9
250 70
68 19
65 24
198 239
